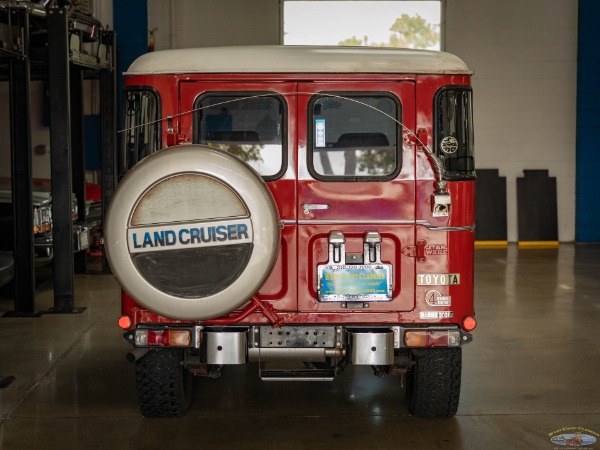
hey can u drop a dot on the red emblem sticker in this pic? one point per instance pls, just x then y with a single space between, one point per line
436 249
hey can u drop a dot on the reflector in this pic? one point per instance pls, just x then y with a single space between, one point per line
125 322
469 323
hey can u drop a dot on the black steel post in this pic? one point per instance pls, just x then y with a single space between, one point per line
108 117
20 144
78 154
60 147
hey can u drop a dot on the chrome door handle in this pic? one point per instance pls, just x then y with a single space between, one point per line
307 207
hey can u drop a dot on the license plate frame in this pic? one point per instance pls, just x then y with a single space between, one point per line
355 283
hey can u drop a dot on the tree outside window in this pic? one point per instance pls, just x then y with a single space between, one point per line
400 23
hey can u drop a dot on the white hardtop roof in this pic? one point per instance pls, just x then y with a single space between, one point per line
297 59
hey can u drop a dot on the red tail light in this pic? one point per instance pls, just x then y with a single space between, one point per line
157 338
469 323
125 322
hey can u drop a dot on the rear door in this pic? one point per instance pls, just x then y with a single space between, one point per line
356 196
251 121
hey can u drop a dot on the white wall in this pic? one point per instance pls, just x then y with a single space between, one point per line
205 23
103 11
524 54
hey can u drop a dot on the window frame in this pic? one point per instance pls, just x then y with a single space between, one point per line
354 178
263 94
453 175
123 162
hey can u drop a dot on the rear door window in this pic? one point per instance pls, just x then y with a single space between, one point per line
249 126
354 137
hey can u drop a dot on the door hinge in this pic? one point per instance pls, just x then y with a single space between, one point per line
173 137
415 251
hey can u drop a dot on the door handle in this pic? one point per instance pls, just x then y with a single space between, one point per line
307 207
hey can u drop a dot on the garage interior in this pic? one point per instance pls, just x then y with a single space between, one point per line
532 367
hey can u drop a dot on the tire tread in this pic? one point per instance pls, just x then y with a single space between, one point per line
163 386
434 384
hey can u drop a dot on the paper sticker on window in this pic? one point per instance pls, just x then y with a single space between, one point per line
320 133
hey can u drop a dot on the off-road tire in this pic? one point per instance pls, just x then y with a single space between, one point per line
433 382
164 387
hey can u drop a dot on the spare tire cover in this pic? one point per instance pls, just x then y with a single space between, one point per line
191 232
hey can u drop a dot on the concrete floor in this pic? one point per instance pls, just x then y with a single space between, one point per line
532 369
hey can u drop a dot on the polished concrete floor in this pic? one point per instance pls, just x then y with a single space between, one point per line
532 369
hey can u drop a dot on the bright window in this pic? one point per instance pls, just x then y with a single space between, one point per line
400 23
250 126
351 139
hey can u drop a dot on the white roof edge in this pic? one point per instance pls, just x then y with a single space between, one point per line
297 59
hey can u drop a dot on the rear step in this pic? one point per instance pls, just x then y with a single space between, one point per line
298 375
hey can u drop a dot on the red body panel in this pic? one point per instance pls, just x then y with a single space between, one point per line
400 209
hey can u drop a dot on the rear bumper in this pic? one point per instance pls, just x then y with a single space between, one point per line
238 345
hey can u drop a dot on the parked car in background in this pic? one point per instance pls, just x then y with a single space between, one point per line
42 220
7 268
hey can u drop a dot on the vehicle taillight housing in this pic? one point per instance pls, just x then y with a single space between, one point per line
162 337
42 219
432 338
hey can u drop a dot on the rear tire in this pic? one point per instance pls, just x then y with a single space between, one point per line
433 382
164 387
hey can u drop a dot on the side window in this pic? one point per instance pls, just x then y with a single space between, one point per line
250 126
141 114
453 110
354 137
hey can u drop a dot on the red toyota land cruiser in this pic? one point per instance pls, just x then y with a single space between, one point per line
313 207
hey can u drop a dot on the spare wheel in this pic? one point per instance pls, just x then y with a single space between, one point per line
192 232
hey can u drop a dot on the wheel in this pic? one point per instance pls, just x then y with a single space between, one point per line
433 382
164 387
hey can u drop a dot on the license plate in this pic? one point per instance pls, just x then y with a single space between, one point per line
83 239
364 283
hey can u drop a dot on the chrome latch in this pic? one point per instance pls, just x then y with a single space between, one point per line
337 247
372 248
354 285
440 200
